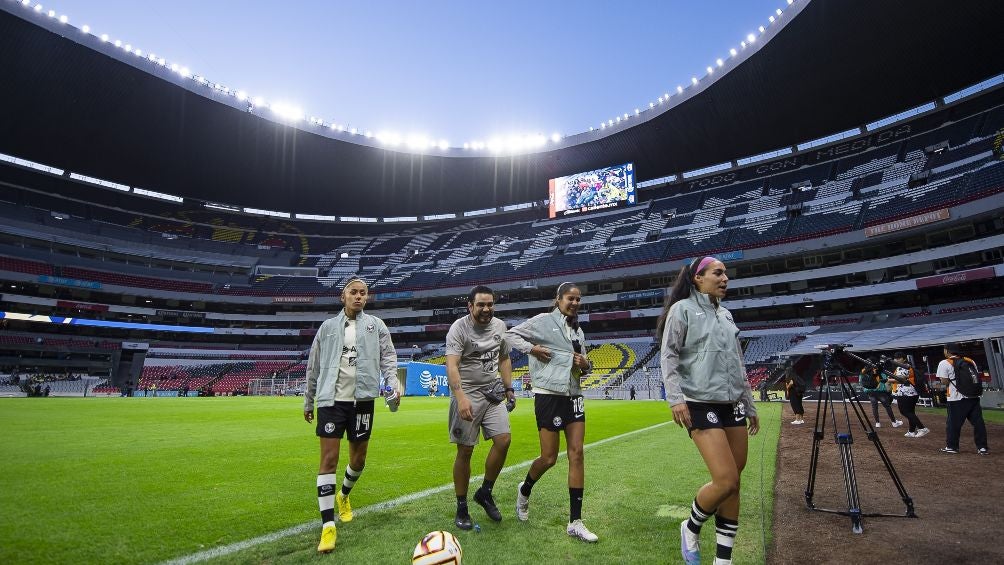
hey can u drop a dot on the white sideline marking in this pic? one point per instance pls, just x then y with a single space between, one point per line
380 506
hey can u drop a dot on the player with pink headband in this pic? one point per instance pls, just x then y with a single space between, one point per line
706 387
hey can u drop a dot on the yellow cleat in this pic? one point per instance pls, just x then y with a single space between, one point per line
344 508
328 536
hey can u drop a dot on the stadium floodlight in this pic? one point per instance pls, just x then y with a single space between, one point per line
603 125
467 145
610 122
183 71
751 38
86 28
679 89
63 19
242 96
555 137
259 101
25 2
652 104
618 119
590 128
175 67
443 145
719 62
778 11
495 144
742 44
693 80
771 19
660 100
128 48
625 115
790 1
287 112
139 52
710 70
762 29
733 52
118 43
38 7
353 131
104 37
52 13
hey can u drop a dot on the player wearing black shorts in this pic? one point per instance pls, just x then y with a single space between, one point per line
557 349
707 390
351 360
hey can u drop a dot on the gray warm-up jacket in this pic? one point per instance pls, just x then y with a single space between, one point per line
375 358
701 358
548 330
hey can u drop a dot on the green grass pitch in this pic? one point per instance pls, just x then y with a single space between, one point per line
140 480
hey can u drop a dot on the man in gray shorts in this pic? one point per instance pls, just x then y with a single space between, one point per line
478 368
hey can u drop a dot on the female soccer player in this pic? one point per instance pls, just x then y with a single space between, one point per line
351 356
706 387
557 350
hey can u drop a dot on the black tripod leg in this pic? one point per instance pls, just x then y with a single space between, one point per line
817 435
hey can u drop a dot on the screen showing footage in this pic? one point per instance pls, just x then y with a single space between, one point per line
593 190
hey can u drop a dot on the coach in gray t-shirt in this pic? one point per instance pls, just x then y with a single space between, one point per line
478 367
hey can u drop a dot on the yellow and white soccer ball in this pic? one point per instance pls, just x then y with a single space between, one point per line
437 548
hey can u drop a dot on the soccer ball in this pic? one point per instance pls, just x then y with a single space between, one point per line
437 548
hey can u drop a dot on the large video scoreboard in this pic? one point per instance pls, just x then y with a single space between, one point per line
592 190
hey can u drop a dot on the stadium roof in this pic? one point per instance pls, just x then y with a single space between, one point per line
836 65
905 337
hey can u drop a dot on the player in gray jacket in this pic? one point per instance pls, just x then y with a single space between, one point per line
351 360
557 350
707 389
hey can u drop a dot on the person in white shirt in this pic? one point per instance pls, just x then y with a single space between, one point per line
960 407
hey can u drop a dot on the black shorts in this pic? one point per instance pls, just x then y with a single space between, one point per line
555 411
354 417
711 415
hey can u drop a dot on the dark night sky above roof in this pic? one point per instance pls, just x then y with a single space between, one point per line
839 64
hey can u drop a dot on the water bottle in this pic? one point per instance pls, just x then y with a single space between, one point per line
391 398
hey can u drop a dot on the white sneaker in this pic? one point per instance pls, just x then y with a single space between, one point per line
897 423
577 529
910 434
796 422
923 432
878 425
719 561
523 505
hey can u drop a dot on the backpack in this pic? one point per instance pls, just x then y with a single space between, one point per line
920 383
967 378
869 378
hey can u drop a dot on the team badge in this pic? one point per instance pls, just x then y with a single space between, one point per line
740 409
557 421
370 328
329 427
497 338
457 431
712 417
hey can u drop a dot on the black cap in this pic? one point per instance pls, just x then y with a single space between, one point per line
899 355
953 348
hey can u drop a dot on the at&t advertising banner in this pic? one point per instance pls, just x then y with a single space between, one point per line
421 375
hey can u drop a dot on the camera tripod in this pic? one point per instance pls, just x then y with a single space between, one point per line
835 375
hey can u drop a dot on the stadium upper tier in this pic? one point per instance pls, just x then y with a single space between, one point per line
128 119
865 182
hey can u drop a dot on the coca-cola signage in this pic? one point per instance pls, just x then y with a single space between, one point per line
956 278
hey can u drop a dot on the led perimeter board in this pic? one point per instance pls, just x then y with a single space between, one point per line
592 190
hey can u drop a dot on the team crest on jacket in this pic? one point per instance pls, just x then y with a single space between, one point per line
557 421
370 328
497 338
712 417
329 427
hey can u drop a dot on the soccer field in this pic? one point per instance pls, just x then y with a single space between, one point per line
145 480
